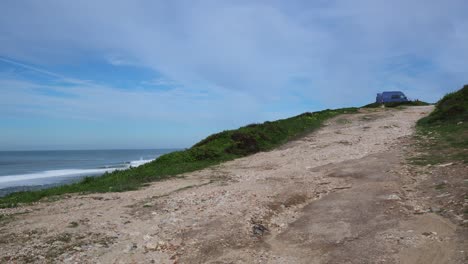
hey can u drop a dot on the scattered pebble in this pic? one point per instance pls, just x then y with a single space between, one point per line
393 197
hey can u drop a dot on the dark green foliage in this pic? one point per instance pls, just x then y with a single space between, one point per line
217 148
452 108
244 143
443 135
396 104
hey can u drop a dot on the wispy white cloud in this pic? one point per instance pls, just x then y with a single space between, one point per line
255 46
83 99
161 82
235 61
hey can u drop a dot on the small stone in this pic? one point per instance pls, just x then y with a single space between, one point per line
393 197
429 233
343 187
77 248
259 229
435 210
419 211
151 246
445 165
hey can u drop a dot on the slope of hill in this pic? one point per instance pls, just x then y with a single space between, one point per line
444 133
453 107
214 149
338 195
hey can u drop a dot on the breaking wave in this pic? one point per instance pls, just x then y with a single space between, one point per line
46 177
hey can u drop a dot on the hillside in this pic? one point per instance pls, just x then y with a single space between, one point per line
321 198
373 179
214 149
453 107
444 133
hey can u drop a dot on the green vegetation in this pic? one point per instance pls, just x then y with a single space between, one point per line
395 104
213 150
443 135
450 109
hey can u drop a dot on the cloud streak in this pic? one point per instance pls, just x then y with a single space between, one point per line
231 62
255 46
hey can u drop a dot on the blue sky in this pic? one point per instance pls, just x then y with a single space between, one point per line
164 74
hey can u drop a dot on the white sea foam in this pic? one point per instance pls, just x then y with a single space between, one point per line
140 162
38 177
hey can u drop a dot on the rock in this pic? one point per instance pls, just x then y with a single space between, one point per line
419 211
429 233
161 243
151 246
445 165
435 210
131 247
443 195
343 187
393 197
259 229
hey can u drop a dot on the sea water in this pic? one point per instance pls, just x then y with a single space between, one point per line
26 170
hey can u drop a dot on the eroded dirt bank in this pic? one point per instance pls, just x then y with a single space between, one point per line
344 194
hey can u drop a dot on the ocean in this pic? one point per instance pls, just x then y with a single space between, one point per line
30 170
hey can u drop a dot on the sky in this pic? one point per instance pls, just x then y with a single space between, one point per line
165 74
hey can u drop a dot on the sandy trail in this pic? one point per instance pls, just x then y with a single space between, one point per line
334 196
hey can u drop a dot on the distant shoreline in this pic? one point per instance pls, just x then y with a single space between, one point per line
42 169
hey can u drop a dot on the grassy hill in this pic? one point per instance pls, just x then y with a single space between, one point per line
452 108
444 133
217 148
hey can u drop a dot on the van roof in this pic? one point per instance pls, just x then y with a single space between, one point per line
393 92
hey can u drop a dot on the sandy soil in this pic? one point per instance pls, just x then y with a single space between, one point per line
344 194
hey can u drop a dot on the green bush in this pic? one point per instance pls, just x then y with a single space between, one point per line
453 107
444 133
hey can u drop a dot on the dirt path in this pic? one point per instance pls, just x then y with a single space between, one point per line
340 195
